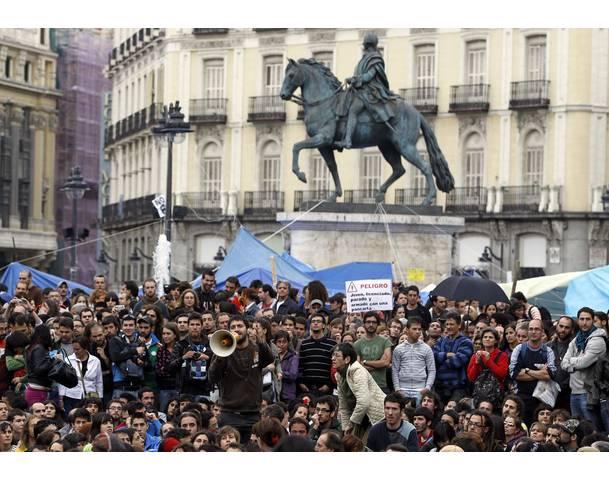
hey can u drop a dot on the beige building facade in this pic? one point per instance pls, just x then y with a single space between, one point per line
28 124
520 114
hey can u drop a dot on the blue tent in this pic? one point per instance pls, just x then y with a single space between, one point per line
245 278
247 253
40 279
303 267
334 278
590 290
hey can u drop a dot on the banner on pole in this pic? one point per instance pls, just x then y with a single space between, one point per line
160 205
365 295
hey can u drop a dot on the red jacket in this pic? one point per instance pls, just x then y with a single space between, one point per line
499 367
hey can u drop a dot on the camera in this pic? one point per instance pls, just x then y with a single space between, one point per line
196 356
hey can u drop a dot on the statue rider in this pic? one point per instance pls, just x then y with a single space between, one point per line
369 89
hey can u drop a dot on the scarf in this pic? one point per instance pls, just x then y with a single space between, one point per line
582 337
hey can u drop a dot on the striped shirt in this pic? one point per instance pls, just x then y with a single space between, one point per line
315 362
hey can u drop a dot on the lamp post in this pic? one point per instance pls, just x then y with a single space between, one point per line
74 188
173 129
135 255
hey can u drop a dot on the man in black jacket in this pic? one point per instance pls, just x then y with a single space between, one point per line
127 353
206 291
193 355
565 331
239 377
414 308
284 304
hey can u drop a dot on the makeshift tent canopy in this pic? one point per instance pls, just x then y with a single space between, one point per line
588 290
40 279
247 253
334 278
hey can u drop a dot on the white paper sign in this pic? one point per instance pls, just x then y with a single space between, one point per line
365 295
159 204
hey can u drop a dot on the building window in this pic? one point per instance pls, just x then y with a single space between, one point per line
272 75
213 78
474 162
43 36
270 180
320 174
536 57
212 168
418 181
370 178
425 66
476 62
325 58
532 172
8 67
27 72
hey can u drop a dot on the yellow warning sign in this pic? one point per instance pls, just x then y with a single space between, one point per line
415 275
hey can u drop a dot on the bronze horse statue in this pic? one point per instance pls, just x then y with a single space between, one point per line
321 92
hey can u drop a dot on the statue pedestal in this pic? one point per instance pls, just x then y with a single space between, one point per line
420 239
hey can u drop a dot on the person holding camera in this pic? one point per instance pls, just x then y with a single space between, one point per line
194 354
128 357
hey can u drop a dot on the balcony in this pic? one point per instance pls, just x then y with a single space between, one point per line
207 111
200 203
424 99
531 94
410 197
360 196
521 198
209 31
136 210
263 204
301 197
266 109
134 123
466 200
469 98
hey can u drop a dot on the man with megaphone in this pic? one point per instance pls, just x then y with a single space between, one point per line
239 376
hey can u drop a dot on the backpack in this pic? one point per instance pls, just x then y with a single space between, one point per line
487 386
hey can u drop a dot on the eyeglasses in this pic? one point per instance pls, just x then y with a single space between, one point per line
322 410
475 424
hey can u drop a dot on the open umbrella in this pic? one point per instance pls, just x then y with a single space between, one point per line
471 288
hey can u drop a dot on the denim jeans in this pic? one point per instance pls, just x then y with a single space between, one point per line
604 408
579 408
410 393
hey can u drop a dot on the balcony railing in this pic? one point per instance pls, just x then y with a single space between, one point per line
521 198
268 108
134 123
530 94
263 203
136 209
467 199
302 196
424 99
201 202
207 110
469 98
411 197
209 31
360 196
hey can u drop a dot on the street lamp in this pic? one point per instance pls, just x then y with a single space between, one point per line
173 129
488 255
74 188
220 254
134 257
104 257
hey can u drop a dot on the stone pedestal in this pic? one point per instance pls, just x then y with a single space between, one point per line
420 241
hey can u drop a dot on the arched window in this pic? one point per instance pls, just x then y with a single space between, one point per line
270 173
211 169
473 171
532 254
206 247
469 249
532 169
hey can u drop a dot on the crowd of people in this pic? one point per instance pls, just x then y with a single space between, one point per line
305 374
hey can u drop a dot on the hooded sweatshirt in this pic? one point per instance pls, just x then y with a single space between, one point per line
577 363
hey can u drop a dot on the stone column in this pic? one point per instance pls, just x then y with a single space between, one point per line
38 125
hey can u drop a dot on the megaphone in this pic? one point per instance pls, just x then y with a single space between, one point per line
223 343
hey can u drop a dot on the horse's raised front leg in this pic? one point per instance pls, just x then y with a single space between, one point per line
328 154
313 142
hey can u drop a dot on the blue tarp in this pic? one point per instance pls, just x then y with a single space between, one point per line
247 253
40 279
334 278
303 267
588 290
